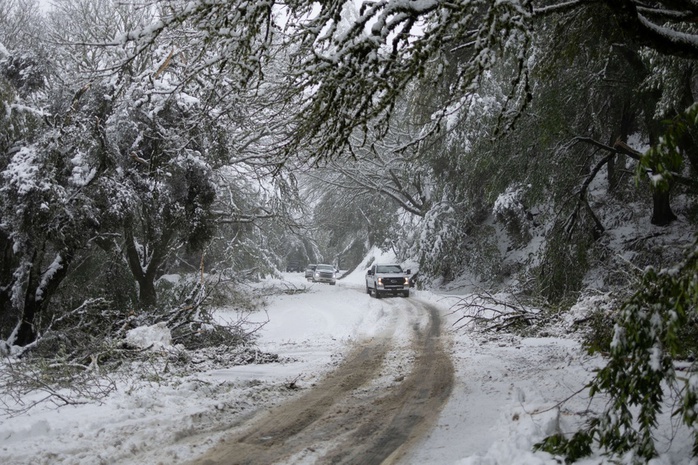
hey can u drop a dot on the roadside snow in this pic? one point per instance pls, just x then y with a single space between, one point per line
505 397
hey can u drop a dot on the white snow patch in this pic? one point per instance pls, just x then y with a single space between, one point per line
156 336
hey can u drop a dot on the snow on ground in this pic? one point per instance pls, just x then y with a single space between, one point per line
504 400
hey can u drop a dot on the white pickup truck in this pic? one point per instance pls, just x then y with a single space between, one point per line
382 279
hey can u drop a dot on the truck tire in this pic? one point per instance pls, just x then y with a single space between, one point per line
378 294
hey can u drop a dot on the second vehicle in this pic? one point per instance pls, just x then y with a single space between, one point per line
325 274
309 270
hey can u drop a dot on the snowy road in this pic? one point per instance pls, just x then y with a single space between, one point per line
372 381
356 414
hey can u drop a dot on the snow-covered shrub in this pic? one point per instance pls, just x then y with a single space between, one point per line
440 241
562 270
100 275
510 211
655 327
599 330
25 72
482 255
451 242
80 349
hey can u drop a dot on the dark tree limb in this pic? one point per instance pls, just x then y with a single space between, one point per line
583 202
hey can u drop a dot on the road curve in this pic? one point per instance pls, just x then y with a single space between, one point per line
346 419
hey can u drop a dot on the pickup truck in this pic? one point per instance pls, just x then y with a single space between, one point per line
382 279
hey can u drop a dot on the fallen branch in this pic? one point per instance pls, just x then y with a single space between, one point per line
492 313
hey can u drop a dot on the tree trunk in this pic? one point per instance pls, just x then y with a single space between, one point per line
662 214
145 274
27 331
617 163
147 295
41 286
613 173
8 265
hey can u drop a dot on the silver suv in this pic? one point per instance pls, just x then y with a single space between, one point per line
325 274
309 270
387 279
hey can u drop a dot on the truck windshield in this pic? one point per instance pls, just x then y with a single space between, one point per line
388 269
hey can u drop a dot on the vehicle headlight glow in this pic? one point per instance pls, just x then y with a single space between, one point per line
380 281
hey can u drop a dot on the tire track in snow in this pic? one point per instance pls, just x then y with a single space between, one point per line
348 417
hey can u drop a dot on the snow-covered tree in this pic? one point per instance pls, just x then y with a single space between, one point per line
174 127
38 235
119 155
357 59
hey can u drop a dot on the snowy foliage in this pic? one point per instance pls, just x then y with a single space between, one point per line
513 214
641 378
